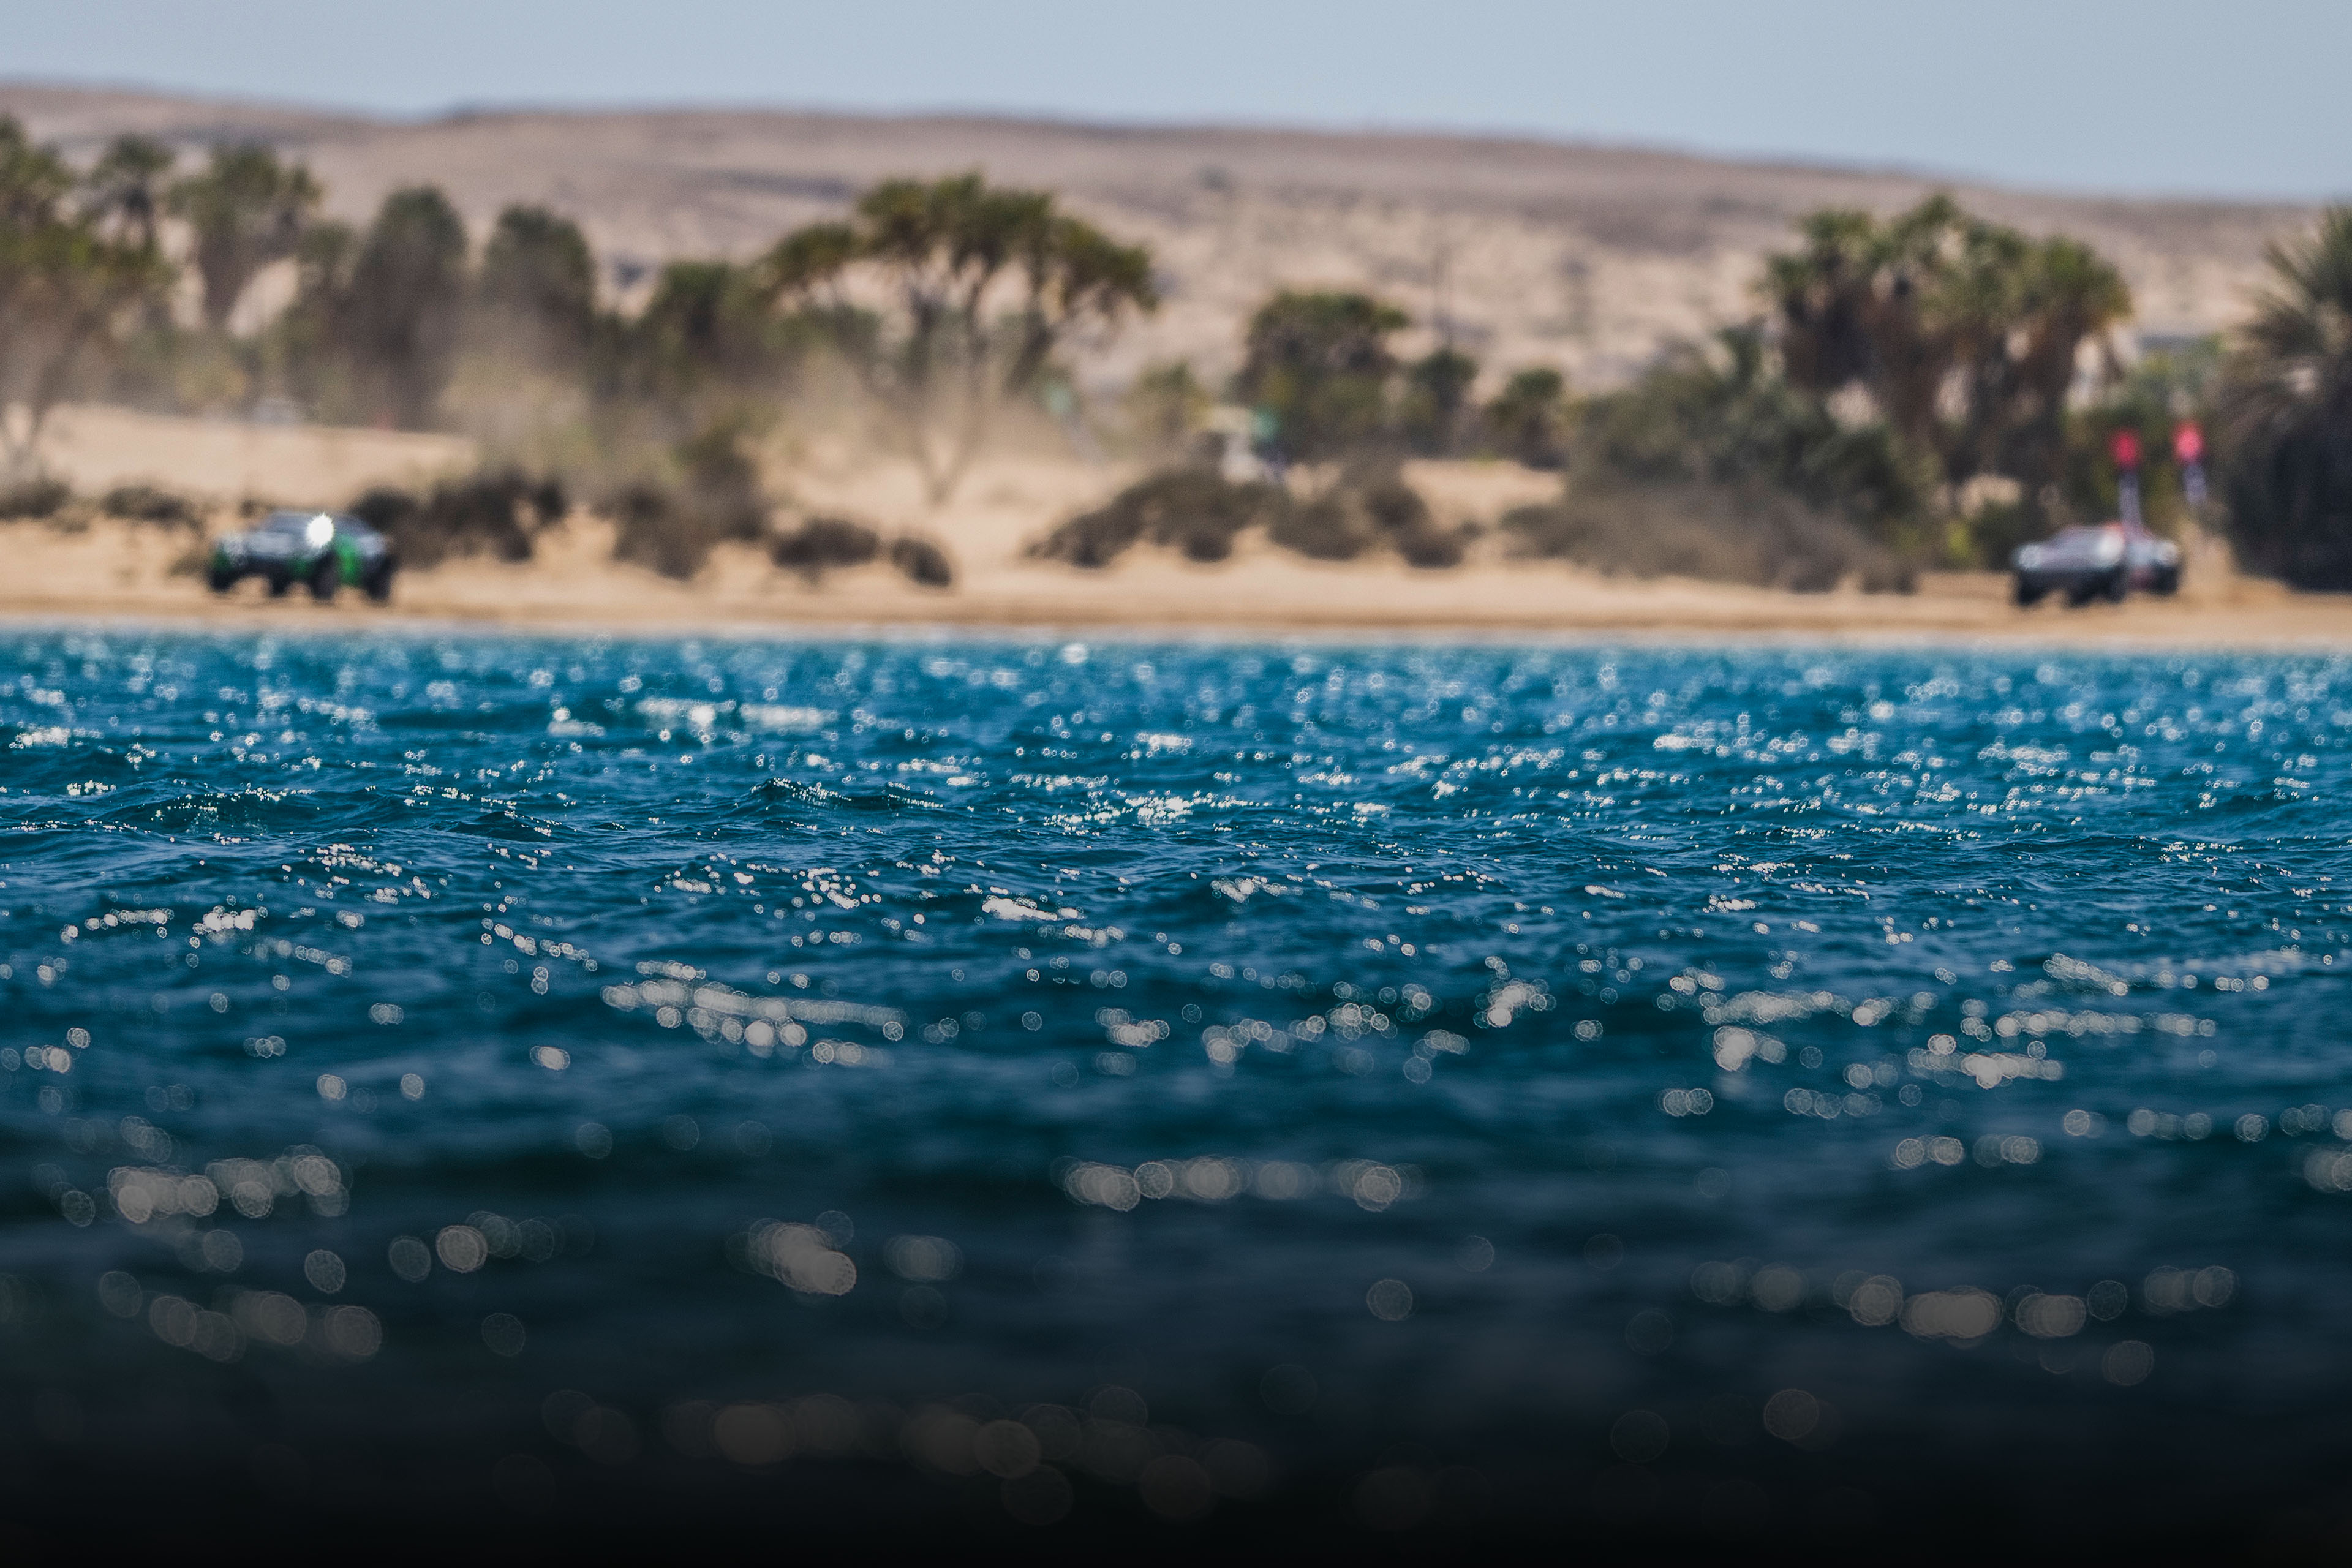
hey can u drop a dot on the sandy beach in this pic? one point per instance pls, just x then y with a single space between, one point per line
101 568
117 572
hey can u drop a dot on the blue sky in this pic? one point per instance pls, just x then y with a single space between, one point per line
2160 97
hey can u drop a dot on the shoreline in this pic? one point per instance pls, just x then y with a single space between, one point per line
1714 614
105 570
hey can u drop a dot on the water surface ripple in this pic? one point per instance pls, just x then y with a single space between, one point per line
1703 1088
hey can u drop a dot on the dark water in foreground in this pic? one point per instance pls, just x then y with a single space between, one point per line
1024 1086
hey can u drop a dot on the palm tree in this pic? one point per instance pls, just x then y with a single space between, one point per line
978 288
2286 414
247 210
125 187
536 297
1320 363
407 299
66 292
1963 332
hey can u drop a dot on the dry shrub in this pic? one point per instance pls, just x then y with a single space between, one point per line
921 562
1361 516
1757 535
147 503
493 513
672 528
31 499
1201 514
1193 509
652 529
1324 528
822 544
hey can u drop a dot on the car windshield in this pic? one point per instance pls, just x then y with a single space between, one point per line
2078 539
306 527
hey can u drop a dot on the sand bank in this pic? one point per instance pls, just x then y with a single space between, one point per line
121 572
112 570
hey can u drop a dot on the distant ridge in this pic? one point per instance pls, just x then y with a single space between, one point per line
1582 255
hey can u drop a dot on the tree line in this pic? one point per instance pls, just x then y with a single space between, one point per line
946 303
1938 384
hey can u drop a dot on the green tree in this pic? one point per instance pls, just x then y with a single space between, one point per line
1437 401
1527 419
1964 334
1320 363
68 292
2286 403
536 296
304 348
950 300
125 188
406 298
247 209
1166 407
705 334
1723 419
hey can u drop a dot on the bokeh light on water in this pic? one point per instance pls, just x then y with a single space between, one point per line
1024 1086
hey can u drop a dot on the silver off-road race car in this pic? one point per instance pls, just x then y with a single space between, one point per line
2106 561
323 551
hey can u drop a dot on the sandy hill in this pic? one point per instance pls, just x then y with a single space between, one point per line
1587 257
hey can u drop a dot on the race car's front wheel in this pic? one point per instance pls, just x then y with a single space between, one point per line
2028 593
220 579
378 582
325 578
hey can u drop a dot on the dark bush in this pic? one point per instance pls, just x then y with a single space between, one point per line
1406 523
1437 549
493 513
1757 535
1692 421
28 499
820 544
1202 514
1326 528
652 529
2286 408
145 503
1363 514
384 508
722 485
2291 507
923 561
1195 510
673 528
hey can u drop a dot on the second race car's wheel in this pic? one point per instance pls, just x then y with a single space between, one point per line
2166 581
2118 584
325 578
2028 593
378 582
220 579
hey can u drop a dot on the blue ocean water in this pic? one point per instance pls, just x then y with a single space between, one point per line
1025 1082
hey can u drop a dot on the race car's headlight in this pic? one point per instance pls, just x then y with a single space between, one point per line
320 531
2030 556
